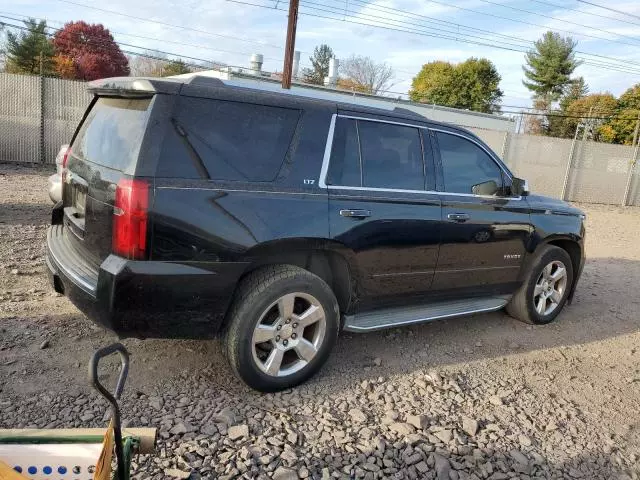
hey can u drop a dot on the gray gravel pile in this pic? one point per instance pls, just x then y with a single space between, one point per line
430 425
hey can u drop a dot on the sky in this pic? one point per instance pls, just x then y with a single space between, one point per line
230 31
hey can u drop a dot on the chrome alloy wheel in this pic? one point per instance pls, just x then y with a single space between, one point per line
289 334
550 288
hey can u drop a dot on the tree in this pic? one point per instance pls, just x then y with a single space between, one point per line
557 124
590 110
472 84
320 62
92 49
175 67
30 50
631 98
550 65
366 74
351 86
621 128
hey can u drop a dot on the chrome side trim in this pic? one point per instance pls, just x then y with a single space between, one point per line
222 189
384 121
327 153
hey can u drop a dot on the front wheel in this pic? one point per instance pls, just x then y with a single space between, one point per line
544 293
281 327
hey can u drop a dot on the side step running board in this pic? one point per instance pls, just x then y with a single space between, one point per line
400 316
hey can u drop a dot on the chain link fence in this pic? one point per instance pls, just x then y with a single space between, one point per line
37 115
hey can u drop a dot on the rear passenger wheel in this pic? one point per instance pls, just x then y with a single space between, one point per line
545 291
282 327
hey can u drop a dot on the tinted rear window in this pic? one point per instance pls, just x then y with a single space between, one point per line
112 133
234 140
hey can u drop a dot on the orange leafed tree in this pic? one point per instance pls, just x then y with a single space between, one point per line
64 67
352 86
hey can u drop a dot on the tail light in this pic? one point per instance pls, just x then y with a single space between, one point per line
65 157
63 171
130 215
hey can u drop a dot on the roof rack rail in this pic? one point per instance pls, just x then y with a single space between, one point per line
206 81
409 112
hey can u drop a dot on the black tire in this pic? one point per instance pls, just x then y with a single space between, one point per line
522 306
256 293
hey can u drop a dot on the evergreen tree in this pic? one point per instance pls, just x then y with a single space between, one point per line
30 51
320 62
175 67
549 66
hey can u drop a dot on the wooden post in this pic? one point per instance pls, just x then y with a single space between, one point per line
291 44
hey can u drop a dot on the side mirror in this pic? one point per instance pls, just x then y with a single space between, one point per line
519 187
489 187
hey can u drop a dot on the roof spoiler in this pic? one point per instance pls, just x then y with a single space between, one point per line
133 86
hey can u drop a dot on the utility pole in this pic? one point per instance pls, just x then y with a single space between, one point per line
291 44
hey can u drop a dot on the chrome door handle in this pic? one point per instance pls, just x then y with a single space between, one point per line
458 217
355 213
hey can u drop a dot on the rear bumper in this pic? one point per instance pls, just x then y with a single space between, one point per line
143 298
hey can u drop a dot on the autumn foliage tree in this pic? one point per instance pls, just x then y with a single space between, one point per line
92 51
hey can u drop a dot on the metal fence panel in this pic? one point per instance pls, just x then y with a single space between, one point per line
599 173
634 189
494 138
542 161
64 105
19 118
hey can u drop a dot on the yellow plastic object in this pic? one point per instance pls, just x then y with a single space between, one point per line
103 467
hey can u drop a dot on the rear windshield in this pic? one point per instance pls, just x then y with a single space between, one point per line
112 133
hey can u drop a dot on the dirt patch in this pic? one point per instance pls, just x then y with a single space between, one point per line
478 397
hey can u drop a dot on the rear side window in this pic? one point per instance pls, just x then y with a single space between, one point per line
376 155
112 132
233 140
465 164
391 156
345 155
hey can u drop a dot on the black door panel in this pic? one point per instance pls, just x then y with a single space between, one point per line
379 210
396 246
484 237
485 250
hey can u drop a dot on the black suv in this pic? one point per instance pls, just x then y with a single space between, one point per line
197 207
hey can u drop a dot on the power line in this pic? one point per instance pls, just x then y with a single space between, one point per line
102 44
559 20
609 8
204 47
171 25
387 10
555 5
522 21
460 38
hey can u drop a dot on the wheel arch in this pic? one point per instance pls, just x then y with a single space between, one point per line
329 260
574 248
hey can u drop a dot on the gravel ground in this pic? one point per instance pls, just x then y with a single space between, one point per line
483 397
